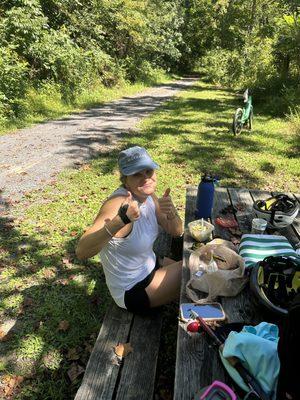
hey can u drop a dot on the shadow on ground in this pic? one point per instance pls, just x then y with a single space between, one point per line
45 297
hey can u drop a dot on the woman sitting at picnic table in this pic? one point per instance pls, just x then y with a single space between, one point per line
124 232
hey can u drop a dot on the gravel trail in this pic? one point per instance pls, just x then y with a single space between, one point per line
32 157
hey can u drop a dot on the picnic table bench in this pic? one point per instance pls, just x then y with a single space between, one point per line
198 365
105 376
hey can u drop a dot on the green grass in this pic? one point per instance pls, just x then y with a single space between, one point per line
43 284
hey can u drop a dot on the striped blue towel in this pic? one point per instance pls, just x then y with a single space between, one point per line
254 248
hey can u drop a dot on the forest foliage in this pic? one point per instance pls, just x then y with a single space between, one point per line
74 45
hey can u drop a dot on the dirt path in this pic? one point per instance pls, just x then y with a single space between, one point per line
31 157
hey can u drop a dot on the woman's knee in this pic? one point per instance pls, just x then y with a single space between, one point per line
175 265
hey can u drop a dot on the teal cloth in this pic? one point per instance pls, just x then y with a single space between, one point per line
256 348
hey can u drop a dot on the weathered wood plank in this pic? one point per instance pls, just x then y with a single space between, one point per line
138 372
102 369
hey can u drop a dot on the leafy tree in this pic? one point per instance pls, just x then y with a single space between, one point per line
13 82
287 47
75 44
198 31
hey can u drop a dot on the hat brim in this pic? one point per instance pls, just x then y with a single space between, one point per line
131 170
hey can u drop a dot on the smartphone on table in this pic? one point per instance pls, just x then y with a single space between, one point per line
207 311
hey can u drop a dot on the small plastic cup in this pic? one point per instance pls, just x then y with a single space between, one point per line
258 226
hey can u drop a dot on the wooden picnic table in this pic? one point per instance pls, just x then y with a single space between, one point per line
198 365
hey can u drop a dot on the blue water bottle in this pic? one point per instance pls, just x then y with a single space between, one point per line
205 197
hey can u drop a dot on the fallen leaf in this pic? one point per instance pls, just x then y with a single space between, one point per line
18 286
10 383
66 262
49 273
28 301
73 233
88 347
96 300
86 167
63 325
72 354
33 268
75 371
21 310
62 281
2 336
123 349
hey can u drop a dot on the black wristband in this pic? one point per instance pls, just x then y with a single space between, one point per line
122 214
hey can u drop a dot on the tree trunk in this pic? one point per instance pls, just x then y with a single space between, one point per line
286 66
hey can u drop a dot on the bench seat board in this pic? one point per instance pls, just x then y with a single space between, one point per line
138 372
102 369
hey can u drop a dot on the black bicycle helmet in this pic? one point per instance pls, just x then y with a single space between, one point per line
275 281
280 210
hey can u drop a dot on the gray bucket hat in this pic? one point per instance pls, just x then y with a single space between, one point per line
135 159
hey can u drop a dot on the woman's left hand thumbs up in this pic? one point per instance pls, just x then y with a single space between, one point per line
166 204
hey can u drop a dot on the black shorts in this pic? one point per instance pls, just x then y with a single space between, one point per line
136 299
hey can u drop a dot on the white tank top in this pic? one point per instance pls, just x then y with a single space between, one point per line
127 261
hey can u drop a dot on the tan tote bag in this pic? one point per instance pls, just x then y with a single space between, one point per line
216 269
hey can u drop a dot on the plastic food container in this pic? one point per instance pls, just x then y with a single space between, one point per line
200 230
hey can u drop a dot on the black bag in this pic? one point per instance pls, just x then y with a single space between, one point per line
289 353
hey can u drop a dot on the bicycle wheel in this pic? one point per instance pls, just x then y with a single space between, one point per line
250 120
237 124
